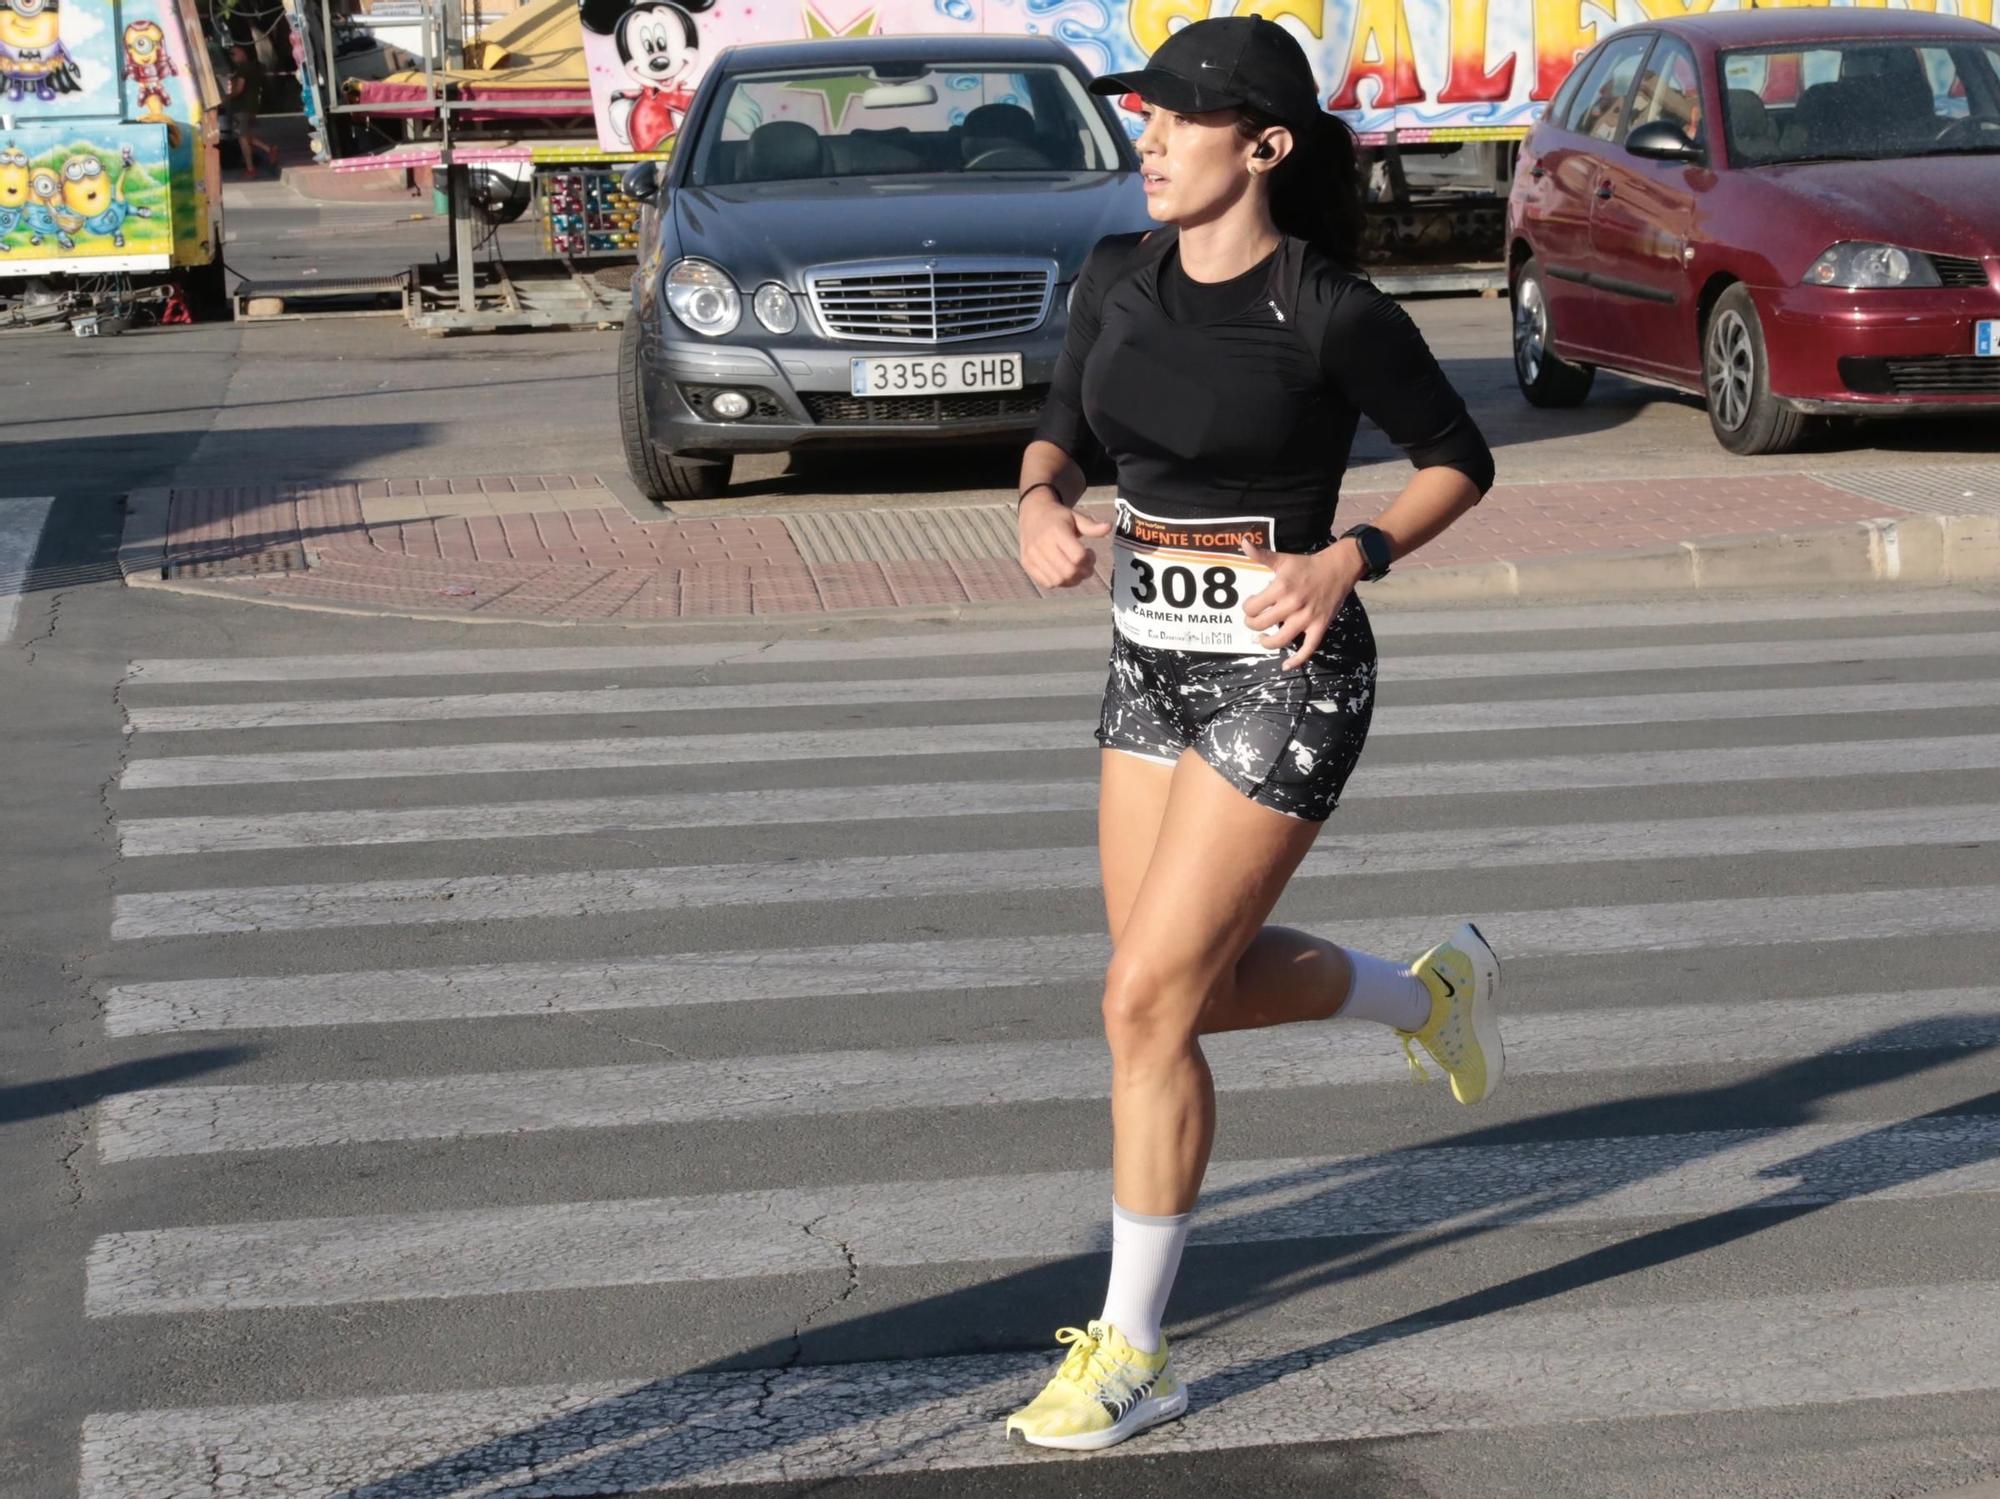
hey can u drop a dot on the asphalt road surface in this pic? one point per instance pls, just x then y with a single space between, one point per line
453 1062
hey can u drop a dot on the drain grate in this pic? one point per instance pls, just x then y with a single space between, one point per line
940 533
283 559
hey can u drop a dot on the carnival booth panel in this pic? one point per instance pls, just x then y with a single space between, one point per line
107 138
1423 70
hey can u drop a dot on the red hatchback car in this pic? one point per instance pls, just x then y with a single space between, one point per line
1789 212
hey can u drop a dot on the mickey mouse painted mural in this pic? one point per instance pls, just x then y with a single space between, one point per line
659 53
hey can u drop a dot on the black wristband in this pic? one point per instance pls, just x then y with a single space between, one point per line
1374 547
1021 498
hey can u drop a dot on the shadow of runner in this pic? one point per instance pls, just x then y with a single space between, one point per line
640 1438
20 1102
1832 1166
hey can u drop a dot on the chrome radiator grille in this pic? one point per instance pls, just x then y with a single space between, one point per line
932 302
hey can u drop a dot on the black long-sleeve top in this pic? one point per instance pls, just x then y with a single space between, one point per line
1212 404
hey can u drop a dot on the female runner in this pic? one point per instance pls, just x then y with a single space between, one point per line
1222 361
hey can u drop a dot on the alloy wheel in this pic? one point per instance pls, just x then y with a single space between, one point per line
1531 330
1732 369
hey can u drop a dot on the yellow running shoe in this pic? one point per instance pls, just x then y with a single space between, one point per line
1105 1391
1463 1033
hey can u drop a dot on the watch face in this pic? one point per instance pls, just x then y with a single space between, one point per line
1374 549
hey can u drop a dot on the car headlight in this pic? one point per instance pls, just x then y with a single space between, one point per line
1858 263
775 308
703 297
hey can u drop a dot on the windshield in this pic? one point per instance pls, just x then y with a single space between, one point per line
902 120
1859 100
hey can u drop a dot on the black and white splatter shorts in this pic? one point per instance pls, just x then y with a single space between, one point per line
1288 740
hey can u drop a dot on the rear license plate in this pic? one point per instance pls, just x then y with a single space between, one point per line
1986 338
934 375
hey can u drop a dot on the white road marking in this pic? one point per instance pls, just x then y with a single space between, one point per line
1321 1384
607 754
198 1119
1004 738
906 645
152 837
209 718
1892 697
500 897
21 524
386 996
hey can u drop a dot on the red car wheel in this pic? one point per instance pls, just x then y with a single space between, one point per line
1744 415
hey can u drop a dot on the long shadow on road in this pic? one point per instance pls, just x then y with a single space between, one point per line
641 1437
20 1102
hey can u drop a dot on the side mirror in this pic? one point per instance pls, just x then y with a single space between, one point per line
641 181
1662 140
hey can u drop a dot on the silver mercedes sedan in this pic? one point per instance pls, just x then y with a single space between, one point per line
863 240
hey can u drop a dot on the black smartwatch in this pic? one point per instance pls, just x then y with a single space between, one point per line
1374 544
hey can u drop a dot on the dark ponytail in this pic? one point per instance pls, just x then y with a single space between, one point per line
1316 190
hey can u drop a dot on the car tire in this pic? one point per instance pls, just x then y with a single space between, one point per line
1545 378
660 475
1736 376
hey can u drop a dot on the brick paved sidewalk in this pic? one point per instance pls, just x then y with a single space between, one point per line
564 547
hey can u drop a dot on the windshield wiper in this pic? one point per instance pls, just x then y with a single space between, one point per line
1963 150
1793 161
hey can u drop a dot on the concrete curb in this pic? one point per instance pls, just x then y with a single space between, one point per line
322 184
1906 551
1910 550
142 550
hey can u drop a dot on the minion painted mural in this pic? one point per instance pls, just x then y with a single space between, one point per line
149 64
107 138
33 59
1423 69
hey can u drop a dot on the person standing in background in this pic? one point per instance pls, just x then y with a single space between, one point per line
244 98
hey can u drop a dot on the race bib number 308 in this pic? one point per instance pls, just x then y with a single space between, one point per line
1181 584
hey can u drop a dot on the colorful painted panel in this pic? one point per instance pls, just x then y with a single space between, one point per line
1458 67
59 60
82 196
109 104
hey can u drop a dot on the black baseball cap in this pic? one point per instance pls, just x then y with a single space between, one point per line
1226 63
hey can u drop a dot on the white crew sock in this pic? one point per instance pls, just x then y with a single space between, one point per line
1145 1256
1385 992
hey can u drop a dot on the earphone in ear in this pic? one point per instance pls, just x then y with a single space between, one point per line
1263 151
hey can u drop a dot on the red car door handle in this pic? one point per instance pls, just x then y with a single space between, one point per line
1603 189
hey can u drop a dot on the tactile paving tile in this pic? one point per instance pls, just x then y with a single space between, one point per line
933 534
1936 489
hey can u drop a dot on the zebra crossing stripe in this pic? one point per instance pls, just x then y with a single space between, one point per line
495 897
818 1422
901 646
608 754
964 688
906 645
155 836
21 524
486 991
197 1119
1031 1216
386 996
575 816
661 751
1528 713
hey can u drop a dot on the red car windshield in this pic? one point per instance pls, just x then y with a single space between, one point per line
1860 100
